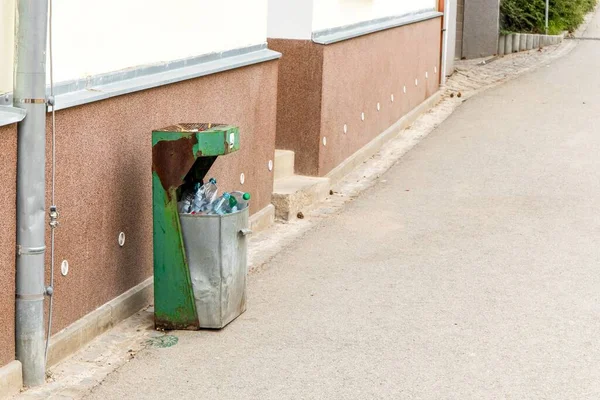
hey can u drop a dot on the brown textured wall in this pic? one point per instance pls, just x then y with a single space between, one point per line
104 175
299 101
361 72
321 88
8 183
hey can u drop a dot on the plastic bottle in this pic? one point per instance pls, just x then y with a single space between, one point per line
243 198
224 205
187 198
204 196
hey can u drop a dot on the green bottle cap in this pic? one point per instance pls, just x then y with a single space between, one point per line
246 196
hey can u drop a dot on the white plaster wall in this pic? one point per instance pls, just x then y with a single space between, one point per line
334 13
7 29
451 37
95 37
290 19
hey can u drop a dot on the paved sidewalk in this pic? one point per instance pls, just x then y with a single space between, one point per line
469 271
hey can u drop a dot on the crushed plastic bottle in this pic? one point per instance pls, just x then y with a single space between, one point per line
187 198
224 205
243 199
205 195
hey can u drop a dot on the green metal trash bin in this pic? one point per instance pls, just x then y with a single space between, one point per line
199 261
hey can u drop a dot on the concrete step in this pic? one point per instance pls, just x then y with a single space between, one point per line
284 163
297 193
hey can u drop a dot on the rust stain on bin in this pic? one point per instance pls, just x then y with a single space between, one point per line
172 159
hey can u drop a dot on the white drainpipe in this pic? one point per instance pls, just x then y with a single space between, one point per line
445 41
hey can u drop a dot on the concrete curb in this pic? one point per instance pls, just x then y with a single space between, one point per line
516 38
516 42
501 44
371 148
545 40
11 379
508 45
80 333
529 45
523 42
263 219
298 193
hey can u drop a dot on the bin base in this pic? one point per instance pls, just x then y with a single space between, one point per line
170 326
215 273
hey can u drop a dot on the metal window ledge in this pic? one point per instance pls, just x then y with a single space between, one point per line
10 115
334 35
135 80
104 86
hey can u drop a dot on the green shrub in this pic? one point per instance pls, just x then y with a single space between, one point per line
529 15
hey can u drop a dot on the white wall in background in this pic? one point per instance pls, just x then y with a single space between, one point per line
95 37
7 38
334 13
290 19
451 37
